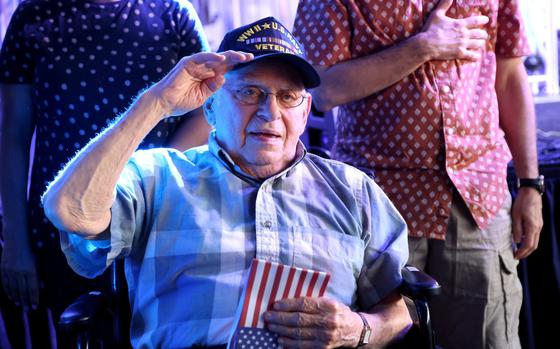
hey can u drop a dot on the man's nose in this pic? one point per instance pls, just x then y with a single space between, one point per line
270 109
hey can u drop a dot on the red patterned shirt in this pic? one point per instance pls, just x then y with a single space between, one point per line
436 128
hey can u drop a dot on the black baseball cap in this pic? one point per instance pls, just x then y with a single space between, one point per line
268 38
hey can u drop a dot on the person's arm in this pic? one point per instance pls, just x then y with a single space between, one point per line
193 131
323 322
19 276
517 119
80 198
442 38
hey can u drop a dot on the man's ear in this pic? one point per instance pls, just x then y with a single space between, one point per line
208 109
305 116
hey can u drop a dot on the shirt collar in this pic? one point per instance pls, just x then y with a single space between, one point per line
222 155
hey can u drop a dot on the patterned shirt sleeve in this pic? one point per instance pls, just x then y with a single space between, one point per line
90 258
19 49
511 39
323 29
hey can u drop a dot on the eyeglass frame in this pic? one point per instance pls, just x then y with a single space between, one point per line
263 96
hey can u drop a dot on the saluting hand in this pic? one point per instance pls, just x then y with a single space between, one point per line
194 79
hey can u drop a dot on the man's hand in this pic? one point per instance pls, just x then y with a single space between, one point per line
314 323
448 38
527 221
194 79
19 277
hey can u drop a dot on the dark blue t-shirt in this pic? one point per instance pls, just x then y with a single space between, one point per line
86 62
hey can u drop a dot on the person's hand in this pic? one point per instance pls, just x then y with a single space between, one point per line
449 38
313 323
19 276
194 79
527 221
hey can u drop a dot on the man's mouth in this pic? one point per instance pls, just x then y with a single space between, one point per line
265 134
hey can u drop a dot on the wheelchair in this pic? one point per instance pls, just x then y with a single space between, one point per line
102 319
82 318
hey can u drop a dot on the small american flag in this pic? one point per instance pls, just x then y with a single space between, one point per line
267 283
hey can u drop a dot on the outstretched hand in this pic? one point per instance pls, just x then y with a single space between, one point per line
450 38
194 79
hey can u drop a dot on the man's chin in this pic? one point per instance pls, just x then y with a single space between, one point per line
266 161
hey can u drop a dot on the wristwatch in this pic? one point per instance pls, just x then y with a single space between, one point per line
536 183
366 332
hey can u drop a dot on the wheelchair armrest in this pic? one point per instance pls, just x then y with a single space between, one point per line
84 312
418 285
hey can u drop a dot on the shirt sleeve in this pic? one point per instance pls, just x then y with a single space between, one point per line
511 39
191 31
90 258
385 233
323 28
20 46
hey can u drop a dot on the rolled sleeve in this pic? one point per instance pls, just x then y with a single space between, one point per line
90 258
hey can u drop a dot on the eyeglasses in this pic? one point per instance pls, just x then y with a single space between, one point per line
253 95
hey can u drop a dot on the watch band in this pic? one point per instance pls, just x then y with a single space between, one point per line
535 183
366 331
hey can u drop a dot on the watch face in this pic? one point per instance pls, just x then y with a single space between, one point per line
366 336
540 184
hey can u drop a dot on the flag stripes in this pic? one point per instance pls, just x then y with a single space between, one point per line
269 282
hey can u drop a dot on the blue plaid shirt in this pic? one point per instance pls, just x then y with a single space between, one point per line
190 223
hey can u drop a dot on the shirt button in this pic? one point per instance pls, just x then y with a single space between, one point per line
449 131
441 211
267 224
445 89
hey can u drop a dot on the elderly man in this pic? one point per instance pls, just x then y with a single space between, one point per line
190 223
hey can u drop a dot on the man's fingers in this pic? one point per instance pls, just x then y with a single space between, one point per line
215 83
443 6
235 57
22 291
293 319
6 284
468 54
475 44
292 332
33 290
478 34
221 60
12 290
208 65
309 305
474 21
517 228
529 239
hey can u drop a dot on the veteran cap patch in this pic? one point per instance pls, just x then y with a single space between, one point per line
268 38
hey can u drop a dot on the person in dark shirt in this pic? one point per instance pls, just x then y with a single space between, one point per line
66 67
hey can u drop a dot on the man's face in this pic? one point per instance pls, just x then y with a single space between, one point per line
261 138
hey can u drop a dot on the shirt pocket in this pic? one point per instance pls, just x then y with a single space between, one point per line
334 252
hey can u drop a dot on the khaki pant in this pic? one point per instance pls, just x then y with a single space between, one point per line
481 299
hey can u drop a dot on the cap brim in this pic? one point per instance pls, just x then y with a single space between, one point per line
309 75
